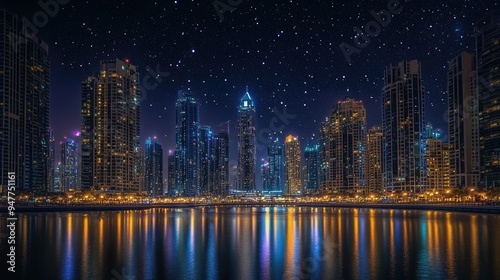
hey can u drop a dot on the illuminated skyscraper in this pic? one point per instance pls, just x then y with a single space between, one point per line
153 167
487 34
69 165
293 184
403 126
221 164
345 147
374 159
246 144
311 169
275 157
186 149
205 149
24 110
264 176
111 128
463 121
437 161
171 187
51 162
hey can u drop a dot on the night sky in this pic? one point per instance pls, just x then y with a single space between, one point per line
287 53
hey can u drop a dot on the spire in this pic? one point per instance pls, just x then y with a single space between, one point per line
246 101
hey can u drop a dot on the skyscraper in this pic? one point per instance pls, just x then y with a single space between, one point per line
311 172
487 35
374 159
205 149
276 161
171 187
24 114
111 128
345 147
264 175
70 175
153 176
221 164
51 162
437 161
463 121
293 184
186 133
403 126
246 144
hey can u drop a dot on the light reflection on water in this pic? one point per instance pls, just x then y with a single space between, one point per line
258 242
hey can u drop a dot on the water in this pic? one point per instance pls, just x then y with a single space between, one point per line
258 242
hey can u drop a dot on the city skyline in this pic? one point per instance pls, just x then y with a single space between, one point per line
73 58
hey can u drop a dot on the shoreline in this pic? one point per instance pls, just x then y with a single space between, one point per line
477 209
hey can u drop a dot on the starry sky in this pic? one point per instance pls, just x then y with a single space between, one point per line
286 52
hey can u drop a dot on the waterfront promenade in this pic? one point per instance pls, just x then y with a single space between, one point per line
470 208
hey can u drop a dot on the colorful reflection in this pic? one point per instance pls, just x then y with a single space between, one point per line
258 242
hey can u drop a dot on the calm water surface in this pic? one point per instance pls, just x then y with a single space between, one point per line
256 243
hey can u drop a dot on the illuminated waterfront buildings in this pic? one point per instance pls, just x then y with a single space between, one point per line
374 159
403 126
311 169
293 184
24 110
275 157
463 121
186 145
111 128
343 135
487 33
69 172
153 176
246 144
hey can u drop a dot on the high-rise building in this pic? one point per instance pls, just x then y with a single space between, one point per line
293 184
487 35
246 144
437 161
221 164
153 176
171 186
463 121
311 169
70 175
205 149
24 113
186 145
374 159
345 148
264 176
51 162
111 128
57 178
403 126
275 157
323 153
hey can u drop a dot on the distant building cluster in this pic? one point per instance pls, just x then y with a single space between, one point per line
403 153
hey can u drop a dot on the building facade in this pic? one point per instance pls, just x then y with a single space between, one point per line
311 169
205 148
221 164
403 127
345 148
70 172
487 35
463 121
246 145
153 176
111 128
293 183
186 149
275 157
24 114
374 159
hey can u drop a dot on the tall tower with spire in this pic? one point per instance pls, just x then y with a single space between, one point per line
246 144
